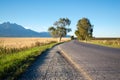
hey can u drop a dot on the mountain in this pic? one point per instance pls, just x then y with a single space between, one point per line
8 29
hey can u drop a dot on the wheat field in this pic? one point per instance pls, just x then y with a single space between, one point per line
26 42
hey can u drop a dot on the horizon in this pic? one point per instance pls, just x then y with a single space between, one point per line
48 32
39 15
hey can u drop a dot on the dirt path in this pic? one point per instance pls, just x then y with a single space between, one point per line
51 66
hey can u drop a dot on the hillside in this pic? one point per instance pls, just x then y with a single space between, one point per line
8 29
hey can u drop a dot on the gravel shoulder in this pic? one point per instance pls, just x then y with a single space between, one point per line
51 65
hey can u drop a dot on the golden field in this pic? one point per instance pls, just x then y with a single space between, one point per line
26 42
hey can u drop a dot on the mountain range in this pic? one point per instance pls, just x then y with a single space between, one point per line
8 29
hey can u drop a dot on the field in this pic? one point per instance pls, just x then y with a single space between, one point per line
115 43
10 45
26 42
16 54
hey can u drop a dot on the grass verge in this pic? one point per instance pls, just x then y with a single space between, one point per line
12 65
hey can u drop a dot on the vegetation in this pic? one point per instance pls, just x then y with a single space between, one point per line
11 65
84 29
60 29
108 43
16 54
24 42
72 38
12 45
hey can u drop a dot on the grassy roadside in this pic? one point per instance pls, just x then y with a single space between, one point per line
107 43
12 65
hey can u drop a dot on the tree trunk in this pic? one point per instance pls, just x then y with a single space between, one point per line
60 39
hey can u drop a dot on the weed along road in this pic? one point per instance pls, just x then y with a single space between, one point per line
51 65
93 61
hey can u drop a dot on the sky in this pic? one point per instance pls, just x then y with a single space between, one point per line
39 15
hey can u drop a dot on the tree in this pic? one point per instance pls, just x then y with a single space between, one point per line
72 37
84 29
60 30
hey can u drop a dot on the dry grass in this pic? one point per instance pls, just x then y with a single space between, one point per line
26 42
12 45
109 43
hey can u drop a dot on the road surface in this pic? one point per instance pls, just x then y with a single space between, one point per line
96 62
51 66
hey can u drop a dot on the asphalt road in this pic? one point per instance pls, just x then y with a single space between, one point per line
97 62
51 65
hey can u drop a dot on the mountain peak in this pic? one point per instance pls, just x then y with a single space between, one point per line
8 29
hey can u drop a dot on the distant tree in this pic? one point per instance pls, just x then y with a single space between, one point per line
84 29
72 37
60 30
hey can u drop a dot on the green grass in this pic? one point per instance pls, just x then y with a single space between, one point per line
107 43
12 65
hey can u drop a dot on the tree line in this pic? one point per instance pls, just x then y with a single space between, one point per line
61 27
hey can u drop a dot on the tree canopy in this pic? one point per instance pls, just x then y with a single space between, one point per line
59 29
84 29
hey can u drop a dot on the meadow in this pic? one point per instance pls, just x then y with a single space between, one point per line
16 54
114 43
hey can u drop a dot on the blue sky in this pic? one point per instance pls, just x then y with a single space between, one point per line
38 15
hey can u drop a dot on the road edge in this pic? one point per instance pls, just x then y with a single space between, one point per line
78 67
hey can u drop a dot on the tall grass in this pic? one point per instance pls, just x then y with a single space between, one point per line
11 65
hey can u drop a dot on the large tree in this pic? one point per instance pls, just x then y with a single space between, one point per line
59 29
84 29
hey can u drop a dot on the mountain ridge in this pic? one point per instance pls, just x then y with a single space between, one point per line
8 29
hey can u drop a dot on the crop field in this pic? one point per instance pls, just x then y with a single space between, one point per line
10 45
26 42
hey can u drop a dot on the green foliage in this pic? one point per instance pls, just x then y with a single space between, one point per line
60 29
84 29
12 65
62 22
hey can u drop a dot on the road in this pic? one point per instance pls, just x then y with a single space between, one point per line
96 62
51 65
